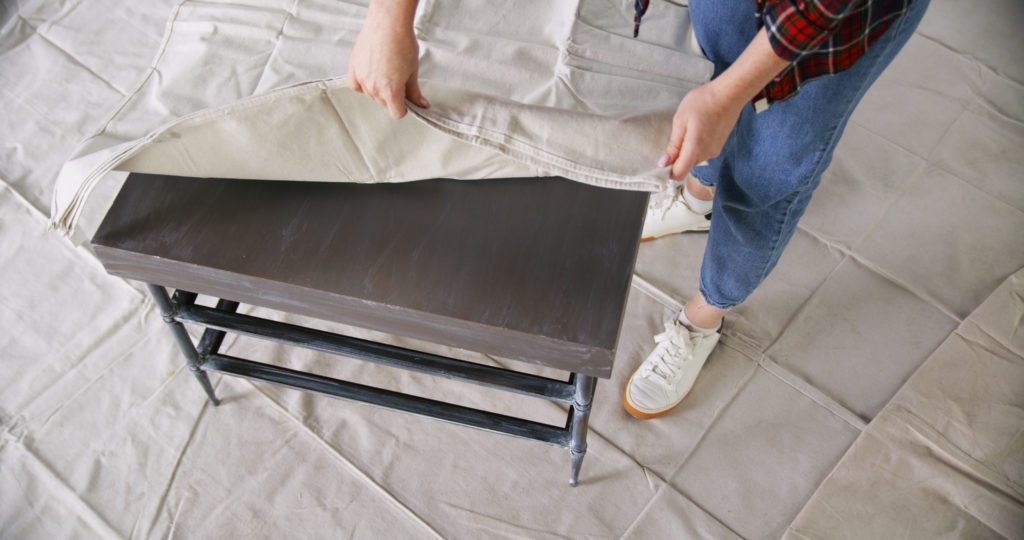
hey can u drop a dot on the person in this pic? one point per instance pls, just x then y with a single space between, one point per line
749 147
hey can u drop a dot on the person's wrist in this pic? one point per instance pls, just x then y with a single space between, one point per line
392 16
749 74
727 94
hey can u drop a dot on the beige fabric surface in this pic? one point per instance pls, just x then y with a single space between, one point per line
939 460
542 92
870 388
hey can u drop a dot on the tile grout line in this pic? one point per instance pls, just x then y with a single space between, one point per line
348 463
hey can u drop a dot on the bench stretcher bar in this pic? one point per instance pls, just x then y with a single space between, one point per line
577 392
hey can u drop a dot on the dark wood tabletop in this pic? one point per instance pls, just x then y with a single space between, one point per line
531 269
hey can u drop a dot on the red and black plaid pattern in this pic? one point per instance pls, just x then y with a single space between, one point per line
639 8
821 37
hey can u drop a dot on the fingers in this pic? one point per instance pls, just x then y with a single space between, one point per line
675 142
687 160
412 91
391 99
394 102
353 81
682 152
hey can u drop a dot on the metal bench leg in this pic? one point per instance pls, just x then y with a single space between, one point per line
580 417
163 302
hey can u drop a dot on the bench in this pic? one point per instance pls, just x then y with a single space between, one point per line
535 270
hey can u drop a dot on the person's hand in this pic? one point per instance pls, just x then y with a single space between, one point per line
707 114
385 59
700 127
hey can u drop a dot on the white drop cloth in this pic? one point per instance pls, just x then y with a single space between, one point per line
542 88
871 387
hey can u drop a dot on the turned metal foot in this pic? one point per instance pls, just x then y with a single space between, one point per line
582 400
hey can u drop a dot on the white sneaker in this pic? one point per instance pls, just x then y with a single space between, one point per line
667 375
671 215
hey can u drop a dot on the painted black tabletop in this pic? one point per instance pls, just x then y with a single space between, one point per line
531 269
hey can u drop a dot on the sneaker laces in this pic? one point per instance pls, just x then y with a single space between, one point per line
673 347
664 200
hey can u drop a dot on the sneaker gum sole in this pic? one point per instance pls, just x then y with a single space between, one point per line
646 415
696 229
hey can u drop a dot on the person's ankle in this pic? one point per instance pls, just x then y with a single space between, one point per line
698 190
702 316
695 327
698 198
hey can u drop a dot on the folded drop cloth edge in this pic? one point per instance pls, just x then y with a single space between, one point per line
323 131
592 122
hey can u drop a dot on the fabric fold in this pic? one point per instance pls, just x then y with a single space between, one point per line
541 94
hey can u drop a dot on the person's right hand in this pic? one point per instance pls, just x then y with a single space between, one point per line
700 127
707 114
385 59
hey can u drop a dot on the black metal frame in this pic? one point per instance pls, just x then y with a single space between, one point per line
577 392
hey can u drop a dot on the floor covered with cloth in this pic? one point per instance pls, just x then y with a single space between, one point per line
873 387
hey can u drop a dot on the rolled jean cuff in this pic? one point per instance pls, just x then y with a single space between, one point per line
717 305
700 180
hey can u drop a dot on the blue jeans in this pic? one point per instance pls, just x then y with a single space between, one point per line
773 161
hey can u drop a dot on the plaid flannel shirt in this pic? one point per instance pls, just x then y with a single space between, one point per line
818 37
821 37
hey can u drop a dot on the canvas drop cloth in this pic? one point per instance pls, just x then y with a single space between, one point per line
544 88
871 388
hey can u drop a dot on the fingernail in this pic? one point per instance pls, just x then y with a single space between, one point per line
663 162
